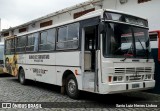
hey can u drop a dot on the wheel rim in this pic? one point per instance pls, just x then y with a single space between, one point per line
71 86
21 77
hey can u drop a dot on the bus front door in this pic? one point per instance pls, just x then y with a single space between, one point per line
90 57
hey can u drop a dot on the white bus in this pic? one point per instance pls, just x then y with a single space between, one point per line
103 52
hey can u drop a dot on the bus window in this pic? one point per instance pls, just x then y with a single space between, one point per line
153 37
32 43
73 35
62 34
9 47
68 37
73 31
20 44
154 40
1 53
47 40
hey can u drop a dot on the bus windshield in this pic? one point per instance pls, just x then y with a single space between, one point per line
123 40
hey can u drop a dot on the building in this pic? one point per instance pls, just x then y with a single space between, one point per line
144 8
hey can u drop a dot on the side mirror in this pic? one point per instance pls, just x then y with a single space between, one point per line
102 27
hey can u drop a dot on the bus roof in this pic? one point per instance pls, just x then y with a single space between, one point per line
95 13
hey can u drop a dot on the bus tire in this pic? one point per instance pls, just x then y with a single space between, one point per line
21 77
72 87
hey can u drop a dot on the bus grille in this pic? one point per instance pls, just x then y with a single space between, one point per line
133 70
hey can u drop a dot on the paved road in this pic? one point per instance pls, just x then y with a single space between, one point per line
12 91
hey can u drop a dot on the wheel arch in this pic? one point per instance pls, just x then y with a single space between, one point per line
20 67
65 75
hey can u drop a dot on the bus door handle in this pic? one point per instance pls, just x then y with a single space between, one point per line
58 71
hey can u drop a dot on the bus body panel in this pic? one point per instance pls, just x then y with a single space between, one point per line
50 67
40 73
49 74
52 58
106 88
72 69
114 67
40 59
11 65
68 59
21 58
28 70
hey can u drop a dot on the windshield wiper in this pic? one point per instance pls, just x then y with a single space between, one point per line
127 53
143 48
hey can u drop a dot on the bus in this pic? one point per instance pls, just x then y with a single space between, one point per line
155 42
155 47
104 52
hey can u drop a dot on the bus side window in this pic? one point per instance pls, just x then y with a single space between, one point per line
20 44
9 47
32 43
153 37
68 37
47 40
62 36
154 40
73 35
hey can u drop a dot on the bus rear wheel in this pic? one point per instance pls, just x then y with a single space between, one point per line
72 87
21 77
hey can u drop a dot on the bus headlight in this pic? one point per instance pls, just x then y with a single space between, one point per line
120 78
117 78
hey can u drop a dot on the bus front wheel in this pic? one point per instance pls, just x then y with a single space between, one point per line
72 87
21 77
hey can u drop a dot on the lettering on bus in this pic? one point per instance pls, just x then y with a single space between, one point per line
38 58
39 72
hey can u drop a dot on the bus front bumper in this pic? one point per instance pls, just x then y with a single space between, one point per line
128 87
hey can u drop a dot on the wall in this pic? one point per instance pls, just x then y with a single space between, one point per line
148 10
63 17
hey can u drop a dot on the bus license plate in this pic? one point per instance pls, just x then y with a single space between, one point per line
135 85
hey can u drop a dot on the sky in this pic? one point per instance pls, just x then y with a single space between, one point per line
17 12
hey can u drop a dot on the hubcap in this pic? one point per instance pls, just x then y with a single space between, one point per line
71 86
